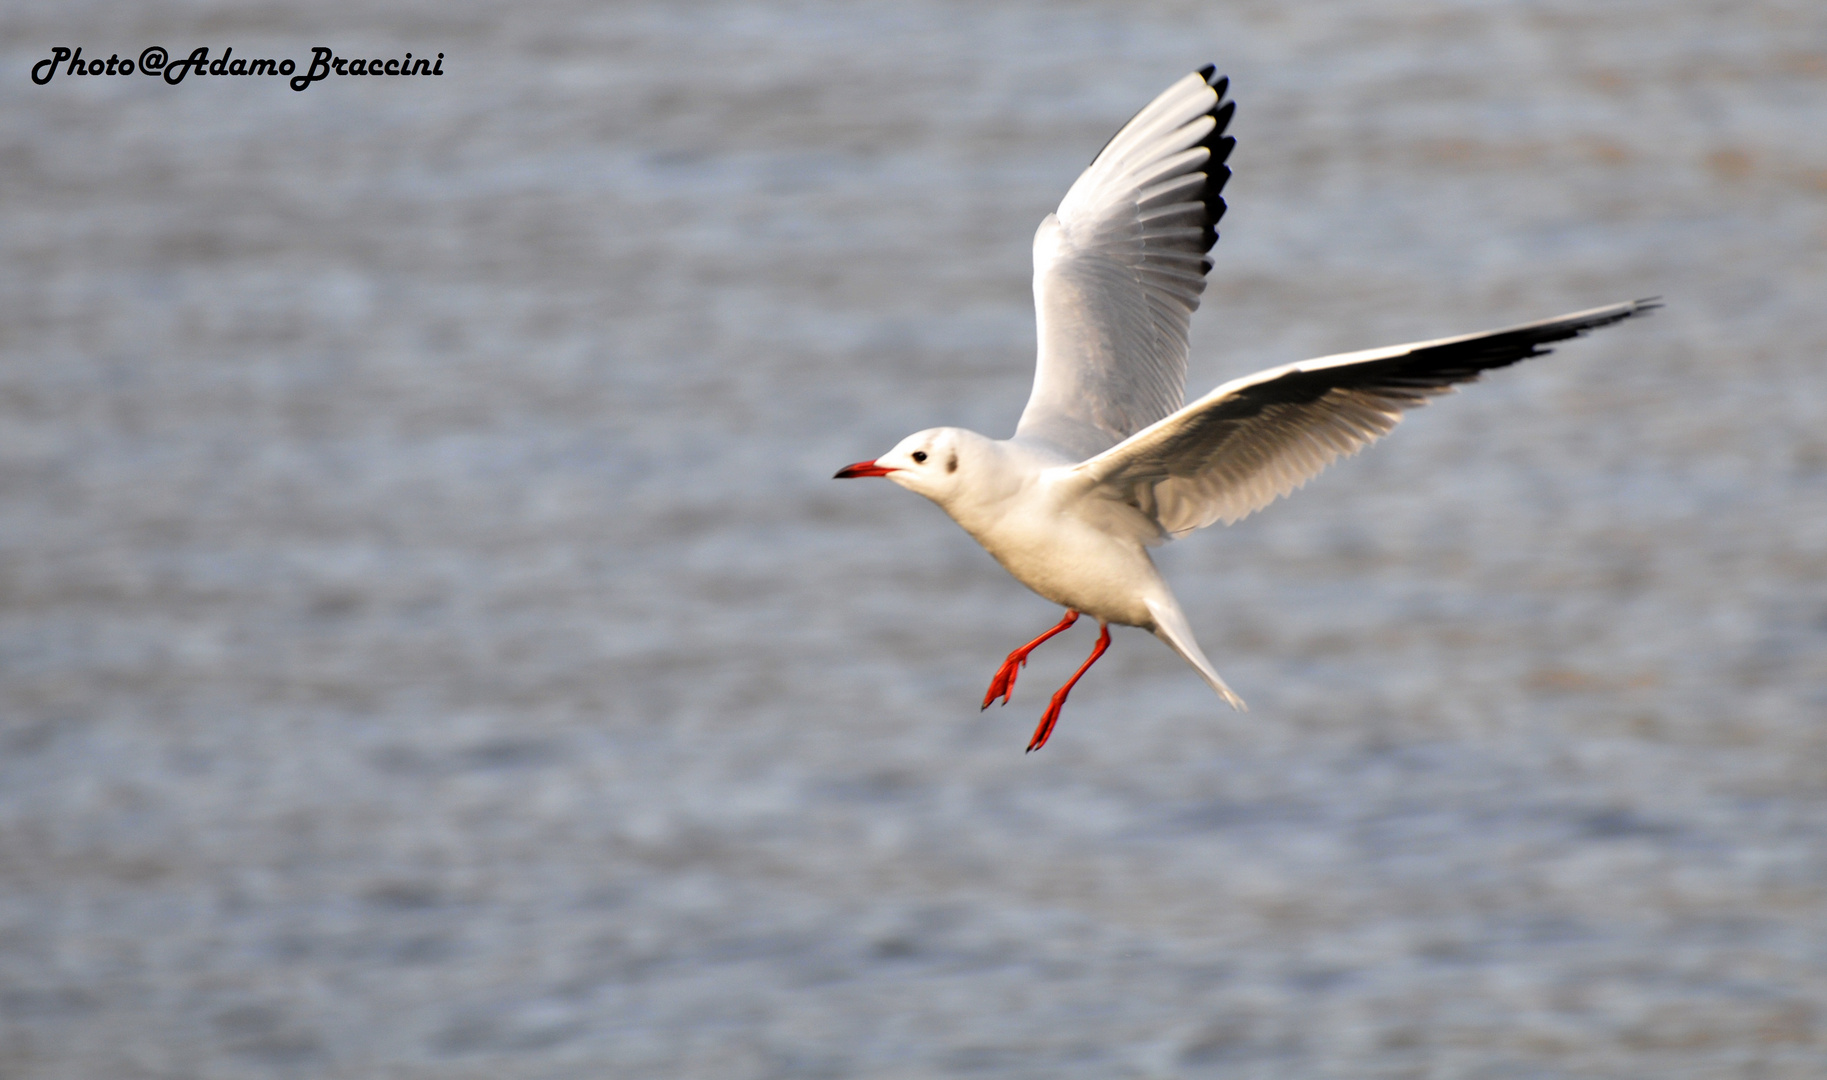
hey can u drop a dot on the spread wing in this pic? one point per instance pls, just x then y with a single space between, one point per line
1257 438
1119 268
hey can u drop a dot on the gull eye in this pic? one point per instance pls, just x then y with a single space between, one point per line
919 456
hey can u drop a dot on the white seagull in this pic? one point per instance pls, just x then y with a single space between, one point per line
1106 462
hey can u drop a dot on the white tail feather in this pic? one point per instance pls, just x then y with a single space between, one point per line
1170 626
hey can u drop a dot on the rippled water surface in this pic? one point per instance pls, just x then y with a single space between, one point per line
431 644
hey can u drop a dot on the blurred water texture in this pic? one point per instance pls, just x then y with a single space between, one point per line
431 645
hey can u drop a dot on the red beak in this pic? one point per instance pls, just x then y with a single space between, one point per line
861 468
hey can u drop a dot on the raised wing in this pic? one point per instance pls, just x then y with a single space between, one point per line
1119 268
1257 438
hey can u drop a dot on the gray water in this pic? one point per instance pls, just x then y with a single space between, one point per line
431 644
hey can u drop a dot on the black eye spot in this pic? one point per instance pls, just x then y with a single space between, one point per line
919 456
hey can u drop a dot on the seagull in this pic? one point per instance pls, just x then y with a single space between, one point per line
1106 461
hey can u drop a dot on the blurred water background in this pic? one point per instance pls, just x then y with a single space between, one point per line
431 643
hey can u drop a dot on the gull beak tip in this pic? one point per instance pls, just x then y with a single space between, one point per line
861 468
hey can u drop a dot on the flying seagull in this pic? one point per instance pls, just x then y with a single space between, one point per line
1106 462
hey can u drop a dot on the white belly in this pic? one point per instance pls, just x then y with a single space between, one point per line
1076 564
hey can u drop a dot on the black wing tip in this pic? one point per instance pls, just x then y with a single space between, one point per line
1540 335
1222 113
1221 149
1638 307
1614 314
1217 173
1215 206
1462 360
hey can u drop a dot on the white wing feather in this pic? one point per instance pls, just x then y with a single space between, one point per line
1257 438
1118 271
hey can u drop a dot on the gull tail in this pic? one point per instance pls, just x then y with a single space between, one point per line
1170 626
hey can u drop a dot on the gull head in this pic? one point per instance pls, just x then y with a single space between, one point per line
929 462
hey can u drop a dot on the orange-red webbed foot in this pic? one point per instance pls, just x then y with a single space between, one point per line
1051 716
1004 683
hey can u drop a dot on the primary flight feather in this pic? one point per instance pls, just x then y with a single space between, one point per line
1105 461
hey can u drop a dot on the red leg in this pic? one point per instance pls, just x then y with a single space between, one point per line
1051 716
1004 682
